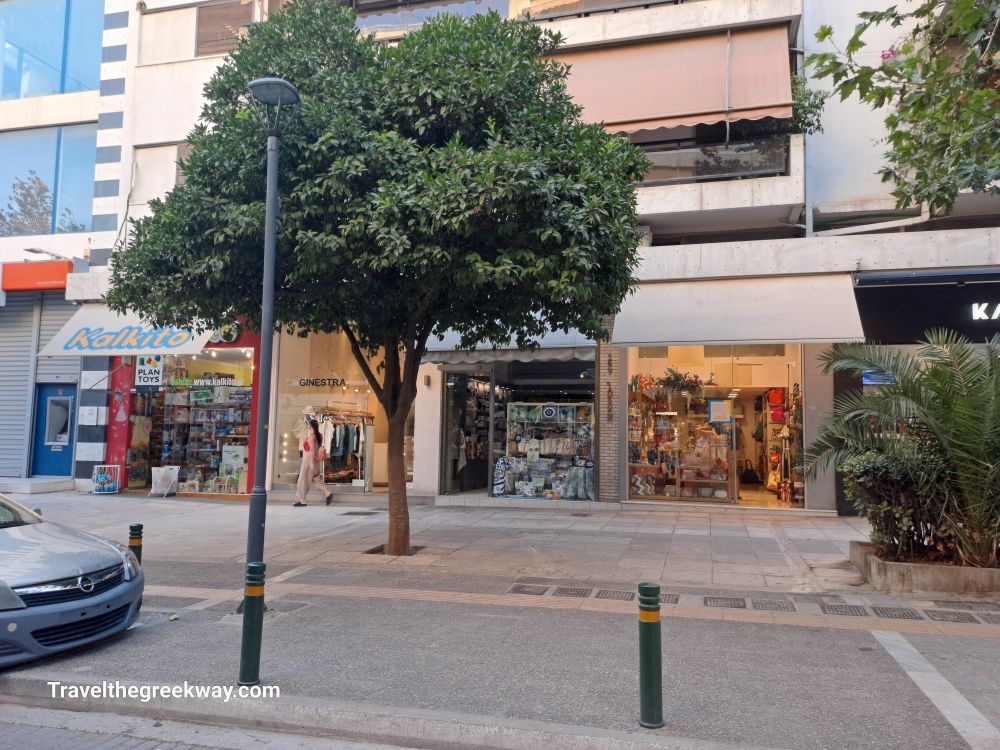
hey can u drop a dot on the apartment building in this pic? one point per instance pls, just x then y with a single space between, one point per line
763 246
51 92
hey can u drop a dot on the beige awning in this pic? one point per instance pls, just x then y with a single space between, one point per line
765 310
554 346
742 75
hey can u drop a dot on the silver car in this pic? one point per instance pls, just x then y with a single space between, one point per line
60 588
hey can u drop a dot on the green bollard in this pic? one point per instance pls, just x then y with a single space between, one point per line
135 540
253 624
650 657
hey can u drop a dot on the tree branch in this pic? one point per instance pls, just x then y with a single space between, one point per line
362 361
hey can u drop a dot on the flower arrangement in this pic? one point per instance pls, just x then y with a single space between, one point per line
676 381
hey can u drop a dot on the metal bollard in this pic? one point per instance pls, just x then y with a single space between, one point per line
135 540
253 624
650 657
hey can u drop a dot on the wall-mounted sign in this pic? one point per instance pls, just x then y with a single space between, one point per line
149 370
322 382
216 380
227 334
96 330
985 311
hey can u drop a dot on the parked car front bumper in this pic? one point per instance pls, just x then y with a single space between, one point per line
34 632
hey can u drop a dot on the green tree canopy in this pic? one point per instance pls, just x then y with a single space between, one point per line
443 183
941 85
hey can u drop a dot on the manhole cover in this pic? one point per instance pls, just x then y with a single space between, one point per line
521 588
669 598
897 613
623 596
725 601
944 616
579 593
845 610
772 605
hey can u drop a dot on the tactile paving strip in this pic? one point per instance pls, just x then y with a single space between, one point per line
897 613
725 601
772 605
522 588
578 593
623 596
944 616
847 610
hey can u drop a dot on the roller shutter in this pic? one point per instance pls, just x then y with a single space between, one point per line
16 326
56 311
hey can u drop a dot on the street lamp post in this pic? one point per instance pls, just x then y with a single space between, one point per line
267 97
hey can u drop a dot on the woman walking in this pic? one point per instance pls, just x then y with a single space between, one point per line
311 470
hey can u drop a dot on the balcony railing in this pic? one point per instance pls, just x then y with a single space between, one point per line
762 157
551 9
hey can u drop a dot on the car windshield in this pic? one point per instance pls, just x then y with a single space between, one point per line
12 514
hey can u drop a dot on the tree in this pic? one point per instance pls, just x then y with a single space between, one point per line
443 183
935 427
29 210
940 84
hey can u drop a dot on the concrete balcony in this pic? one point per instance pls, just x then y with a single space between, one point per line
717 189
587 23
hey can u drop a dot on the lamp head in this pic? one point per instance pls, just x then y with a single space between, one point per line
267 97
273 92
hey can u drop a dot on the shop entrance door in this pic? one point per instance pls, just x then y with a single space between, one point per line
52 448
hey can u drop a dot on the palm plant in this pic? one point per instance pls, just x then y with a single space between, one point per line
938 415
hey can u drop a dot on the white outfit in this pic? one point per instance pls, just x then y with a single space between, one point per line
310 471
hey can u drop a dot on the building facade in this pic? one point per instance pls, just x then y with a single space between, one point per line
763 245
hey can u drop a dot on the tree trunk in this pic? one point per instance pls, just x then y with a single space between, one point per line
398 542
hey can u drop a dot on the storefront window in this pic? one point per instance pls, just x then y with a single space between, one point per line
520 429
318 378
716 423
196 417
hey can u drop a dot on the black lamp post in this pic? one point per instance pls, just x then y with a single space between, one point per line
268 97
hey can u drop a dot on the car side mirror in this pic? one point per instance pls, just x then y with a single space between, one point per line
38 511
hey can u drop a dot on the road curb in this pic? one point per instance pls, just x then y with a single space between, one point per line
350 721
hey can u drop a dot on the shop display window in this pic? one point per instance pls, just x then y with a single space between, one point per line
716 424
198 419
549 452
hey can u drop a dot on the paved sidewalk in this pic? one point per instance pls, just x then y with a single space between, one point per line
787 553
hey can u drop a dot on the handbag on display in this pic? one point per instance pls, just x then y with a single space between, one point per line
758 431
758 403
778 414
749 476
776 397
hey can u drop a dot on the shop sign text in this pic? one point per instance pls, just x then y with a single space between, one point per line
149 370
985 311
322 382
125 339
223 380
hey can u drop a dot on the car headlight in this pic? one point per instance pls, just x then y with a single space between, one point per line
129 560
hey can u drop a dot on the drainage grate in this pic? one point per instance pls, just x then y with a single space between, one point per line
897 613
521 588
816 599
992 619
725 601
944 616
989 606
578 593
669 598
772 605
622 596
580 515
846 610
360 513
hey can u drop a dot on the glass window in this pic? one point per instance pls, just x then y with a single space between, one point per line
404 18
50 47
47 180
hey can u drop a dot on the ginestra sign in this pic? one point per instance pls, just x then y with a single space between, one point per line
94 330
127 340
